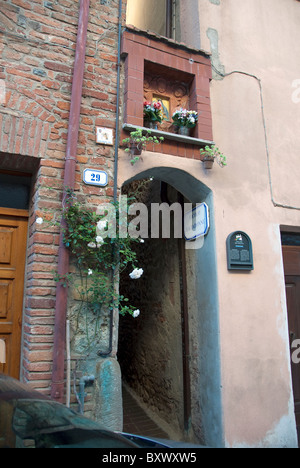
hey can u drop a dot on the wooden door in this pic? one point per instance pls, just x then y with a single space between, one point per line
291 259
13 237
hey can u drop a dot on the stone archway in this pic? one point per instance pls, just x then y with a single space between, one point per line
155 338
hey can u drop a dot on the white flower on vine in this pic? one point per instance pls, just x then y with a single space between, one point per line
90 272
39 221
136 313
92 245
101 225
142 241
136 273
99 241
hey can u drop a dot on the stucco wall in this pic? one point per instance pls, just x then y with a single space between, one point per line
255 44
239 320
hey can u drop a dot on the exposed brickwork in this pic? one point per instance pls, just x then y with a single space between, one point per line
37 50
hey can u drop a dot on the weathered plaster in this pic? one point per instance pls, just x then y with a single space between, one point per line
218 70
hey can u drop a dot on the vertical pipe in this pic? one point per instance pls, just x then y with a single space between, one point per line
117 138
169 18
118 104
185 330
57 389
185 337
68 391
174 15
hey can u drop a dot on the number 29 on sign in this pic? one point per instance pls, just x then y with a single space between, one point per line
95 177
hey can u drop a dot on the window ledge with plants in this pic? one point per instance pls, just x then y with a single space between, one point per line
174 77
169 136
140 137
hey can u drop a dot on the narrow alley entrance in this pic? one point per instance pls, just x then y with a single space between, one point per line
169 354
150 345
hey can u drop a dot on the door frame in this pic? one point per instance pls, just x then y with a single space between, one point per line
14 212
19 214
296 231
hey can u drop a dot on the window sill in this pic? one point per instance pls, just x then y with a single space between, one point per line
169 136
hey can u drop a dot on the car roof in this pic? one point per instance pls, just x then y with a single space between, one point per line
11 389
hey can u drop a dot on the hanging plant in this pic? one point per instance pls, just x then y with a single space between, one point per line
210 154
137 142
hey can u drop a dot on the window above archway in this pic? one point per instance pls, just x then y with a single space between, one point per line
179 76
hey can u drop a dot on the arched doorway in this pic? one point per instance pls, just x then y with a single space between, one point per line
169 355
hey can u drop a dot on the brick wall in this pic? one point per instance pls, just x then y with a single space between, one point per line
37 49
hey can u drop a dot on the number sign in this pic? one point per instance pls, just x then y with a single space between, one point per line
95 177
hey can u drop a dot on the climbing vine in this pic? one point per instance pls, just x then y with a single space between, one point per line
99 258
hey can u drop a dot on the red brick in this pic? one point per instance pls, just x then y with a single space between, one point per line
43 105
43 238
40 303
59 67
38 356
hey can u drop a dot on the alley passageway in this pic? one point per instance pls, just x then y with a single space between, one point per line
136 420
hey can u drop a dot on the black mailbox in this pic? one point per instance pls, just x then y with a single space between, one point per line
239 251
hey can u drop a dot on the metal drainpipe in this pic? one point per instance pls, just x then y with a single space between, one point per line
117 139
169 18
118 104
57 389
85 380
185 328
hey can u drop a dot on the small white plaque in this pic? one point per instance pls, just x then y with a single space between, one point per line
104 136
196 222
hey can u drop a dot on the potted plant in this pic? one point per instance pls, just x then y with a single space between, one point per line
210 154
137 142
185 120
152 113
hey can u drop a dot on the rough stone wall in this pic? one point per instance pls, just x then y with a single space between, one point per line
37 50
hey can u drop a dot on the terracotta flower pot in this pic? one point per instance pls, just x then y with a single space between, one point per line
135 149
208 162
